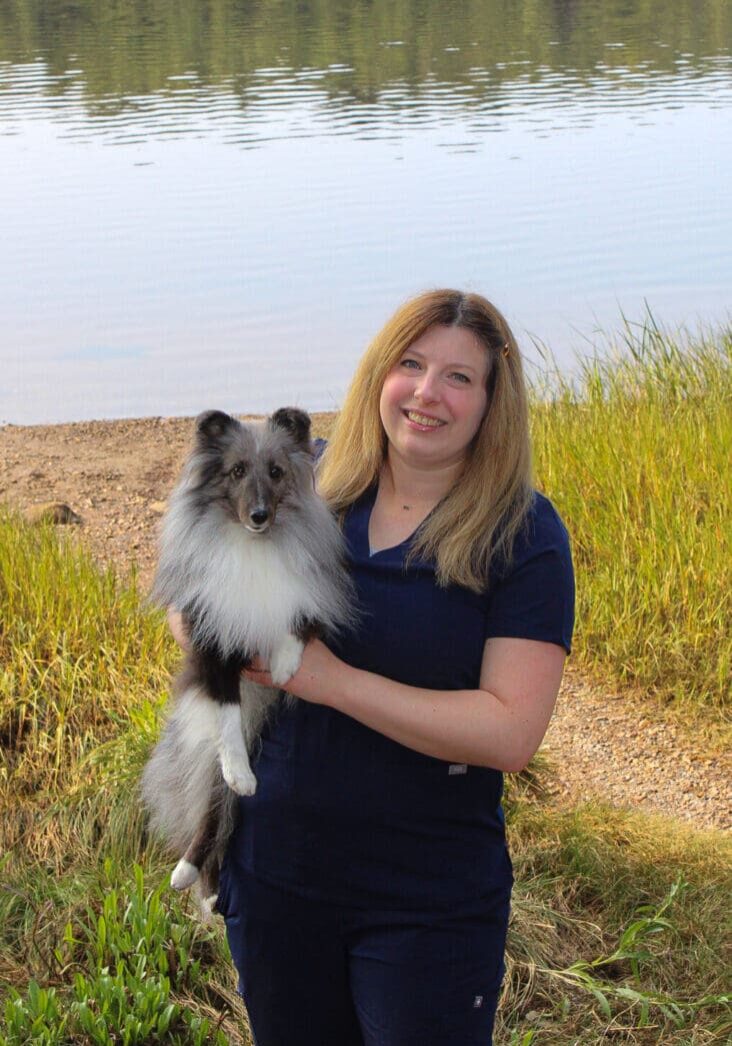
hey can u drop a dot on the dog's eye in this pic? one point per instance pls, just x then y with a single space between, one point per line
276 472
238 470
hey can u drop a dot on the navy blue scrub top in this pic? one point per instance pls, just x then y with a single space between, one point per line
345 815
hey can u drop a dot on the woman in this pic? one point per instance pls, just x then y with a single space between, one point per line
366 889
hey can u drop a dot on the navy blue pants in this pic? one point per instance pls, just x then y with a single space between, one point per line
312 974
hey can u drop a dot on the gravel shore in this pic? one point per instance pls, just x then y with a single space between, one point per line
116 475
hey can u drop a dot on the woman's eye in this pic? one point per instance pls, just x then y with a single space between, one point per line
462 378
276 472
238 470
409 363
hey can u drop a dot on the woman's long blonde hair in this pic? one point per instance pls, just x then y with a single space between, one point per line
479 518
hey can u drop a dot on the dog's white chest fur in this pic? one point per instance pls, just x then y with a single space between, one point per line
249 595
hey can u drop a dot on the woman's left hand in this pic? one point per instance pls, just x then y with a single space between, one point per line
315 679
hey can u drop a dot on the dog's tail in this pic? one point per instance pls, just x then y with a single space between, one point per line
183 773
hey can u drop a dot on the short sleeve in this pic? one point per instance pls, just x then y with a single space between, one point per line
534 598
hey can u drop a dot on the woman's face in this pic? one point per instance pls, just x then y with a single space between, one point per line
434 399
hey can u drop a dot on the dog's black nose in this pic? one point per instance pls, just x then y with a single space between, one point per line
259 516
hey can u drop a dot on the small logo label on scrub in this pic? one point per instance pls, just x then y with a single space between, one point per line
477 1002
457 768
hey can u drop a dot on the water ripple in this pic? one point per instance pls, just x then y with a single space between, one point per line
268 104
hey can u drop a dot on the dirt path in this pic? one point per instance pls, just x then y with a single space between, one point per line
116 475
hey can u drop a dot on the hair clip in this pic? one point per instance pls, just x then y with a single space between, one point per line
506 351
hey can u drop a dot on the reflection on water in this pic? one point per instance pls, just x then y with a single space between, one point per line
359 69
287 103
221 203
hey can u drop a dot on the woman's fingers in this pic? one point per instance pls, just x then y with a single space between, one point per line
258 672
177 626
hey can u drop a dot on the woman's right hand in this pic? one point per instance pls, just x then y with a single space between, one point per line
177 626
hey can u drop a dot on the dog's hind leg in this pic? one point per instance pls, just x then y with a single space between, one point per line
188 869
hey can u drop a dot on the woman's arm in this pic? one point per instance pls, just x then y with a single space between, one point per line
501 724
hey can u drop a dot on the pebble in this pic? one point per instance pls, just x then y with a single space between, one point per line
52 512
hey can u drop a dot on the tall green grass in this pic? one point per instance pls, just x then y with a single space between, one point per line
80 659
635 451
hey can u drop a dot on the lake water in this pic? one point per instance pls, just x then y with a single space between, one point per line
217 204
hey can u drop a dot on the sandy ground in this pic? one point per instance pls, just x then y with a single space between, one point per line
116 476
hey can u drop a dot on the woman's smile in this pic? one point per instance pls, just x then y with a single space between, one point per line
423 421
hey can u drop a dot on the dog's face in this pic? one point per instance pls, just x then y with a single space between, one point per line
252 469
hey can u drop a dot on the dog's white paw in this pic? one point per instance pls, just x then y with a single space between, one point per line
206 905
239 777
184 875
286 660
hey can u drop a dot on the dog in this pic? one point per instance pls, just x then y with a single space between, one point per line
254 560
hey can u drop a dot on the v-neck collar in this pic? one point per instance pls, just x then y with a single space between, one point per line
364 508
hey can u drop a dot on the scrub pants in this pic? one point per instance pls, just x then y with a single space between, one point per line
314 974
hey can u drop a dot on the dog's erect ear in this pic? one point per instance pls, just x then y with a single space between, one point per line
294 421
212 424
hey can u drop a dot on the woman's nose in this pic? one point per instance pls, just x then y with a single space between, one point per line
427 388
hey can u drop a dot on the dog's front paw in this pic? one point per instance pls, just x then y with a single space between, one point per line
239 777
184 875
286 660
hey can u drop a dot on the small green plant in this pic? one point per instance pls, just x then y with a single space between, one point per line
523 1038
632 949
129 964
37 1018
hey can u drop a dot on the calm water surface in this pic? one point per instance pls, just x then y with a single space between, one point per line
218 204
